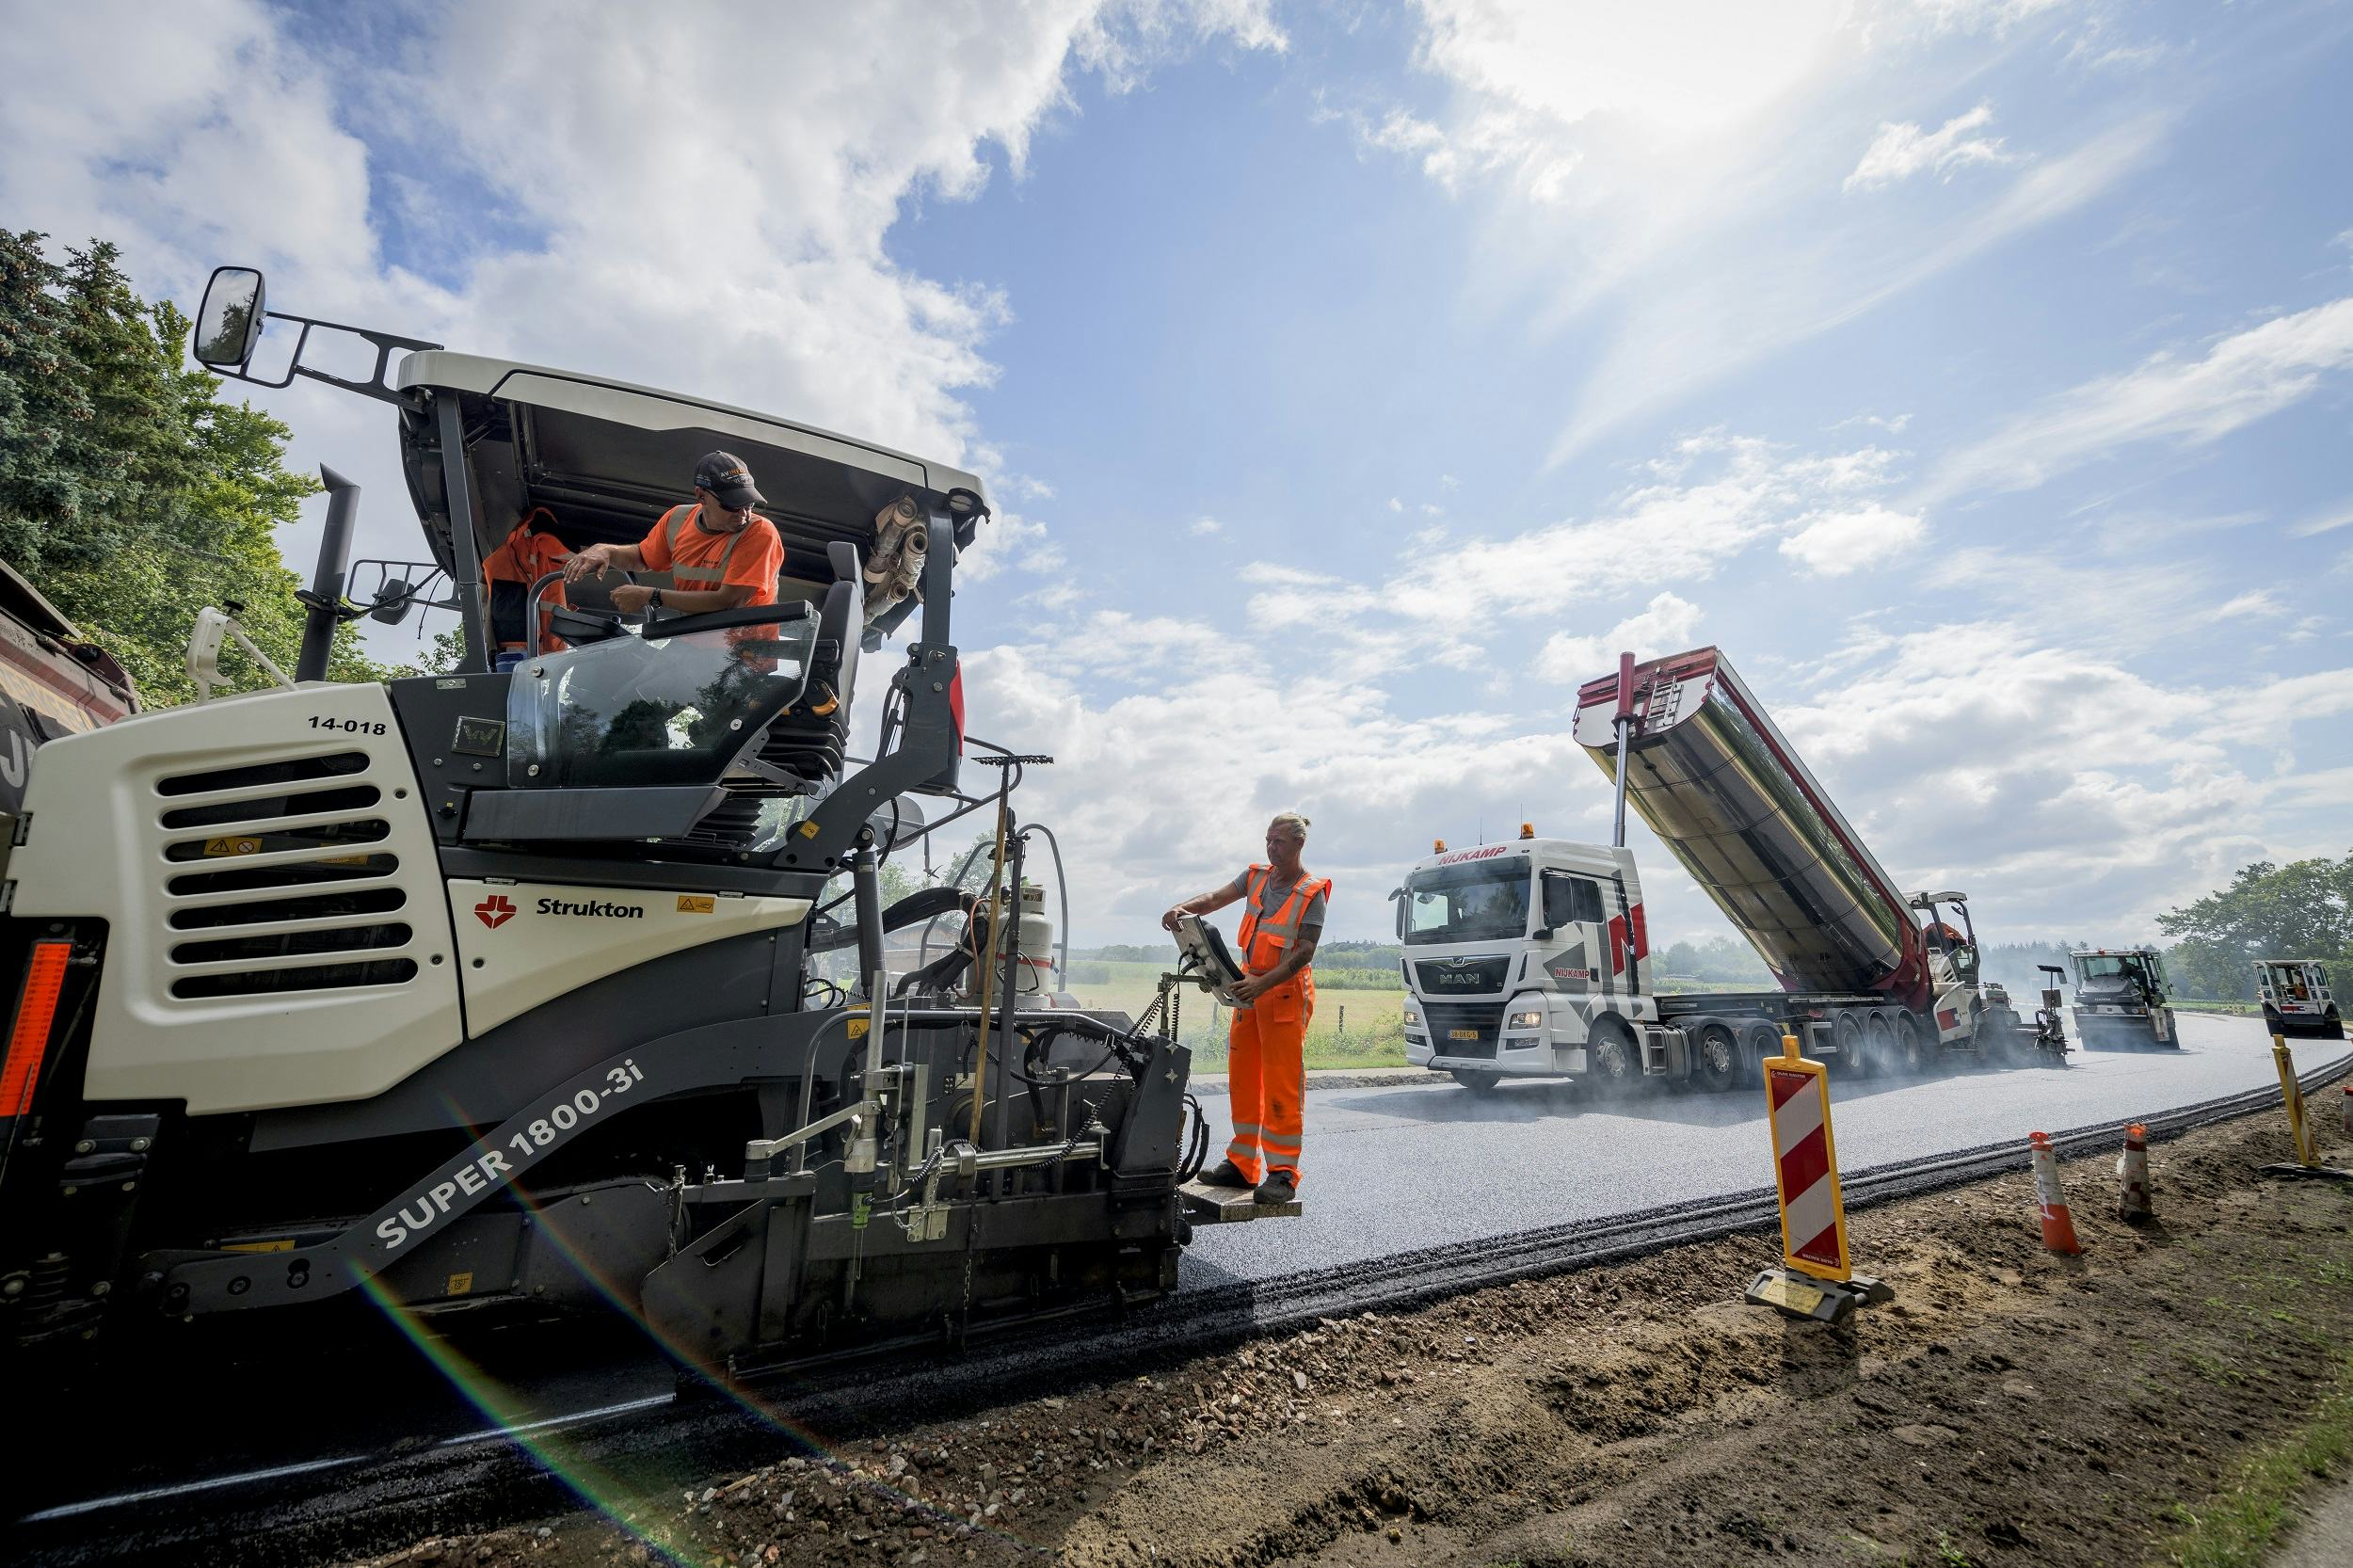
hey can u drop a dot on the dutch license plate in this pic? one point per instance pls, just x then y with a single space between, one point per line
1462 1035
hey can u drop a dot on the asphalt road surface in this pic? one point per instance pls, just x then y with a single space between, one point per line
1388 1170
1396 1169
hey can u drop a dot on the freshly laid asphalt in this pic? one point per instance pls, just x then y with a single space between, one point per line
1398 1168
1391 1168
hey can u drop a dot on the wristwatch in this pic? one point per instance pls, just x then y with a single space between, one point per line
653 599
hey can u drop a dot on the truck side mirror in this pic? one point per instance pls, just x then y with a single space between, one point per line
229 322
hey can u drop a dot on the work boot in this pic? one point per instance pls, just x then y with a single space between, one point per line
1278 1186
1227 1174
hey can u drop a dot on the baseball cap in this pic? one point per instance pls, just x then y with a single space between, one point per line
729 478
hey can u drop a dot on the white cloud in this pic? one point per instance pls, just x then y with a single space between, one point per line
1901 151
1995 16
2256 602
1832 544
2242 378
1684 331
1204 527
1395 505
1619 154
1010 539
586 178
1666 625
2327 520
1701 506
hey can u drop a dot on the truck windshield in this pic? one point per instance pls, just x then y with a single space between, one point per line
653 710
1465 903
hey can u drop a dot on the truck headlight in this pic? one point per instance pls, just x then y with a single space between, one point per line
1533 1017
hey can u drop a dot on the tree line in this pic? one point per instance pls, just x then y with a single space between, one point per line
132 495
2303 909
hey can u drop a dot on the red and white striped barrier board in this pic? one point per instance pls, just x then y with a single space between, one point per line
1806 1166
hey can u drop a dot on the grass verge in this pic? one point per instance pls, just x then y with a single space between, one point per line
2237 1527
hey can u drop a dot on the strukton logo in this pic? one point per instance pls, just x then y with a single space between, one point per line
601 907
494 911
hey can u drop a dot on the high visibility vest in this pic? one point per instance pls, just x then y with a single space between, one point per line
712 576
511 568
1265 942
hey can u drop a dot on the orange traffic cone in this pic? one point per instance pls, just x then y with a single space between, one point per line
2058 1227
2132 1206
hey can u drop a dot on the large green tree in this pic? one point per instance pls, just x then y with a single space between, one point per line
130 493
2303 909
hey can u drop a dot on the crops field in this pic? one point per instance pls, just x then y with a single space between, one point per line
1371 1034
1351 1028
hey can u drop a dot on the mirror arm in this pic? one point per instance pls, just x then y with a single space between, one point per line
373 387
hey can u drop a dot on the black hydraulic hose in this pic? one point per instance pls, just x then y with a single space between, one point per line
1061 927
1196 1142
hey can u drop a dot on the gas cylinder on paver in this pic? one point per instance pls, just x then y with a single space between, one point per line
1721 788
1037 942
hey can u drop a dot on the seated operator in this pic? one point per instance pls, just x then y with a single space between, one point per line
1267 1077
719 552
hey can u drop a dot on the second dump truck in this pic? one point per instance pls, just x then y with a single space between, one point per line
1530 958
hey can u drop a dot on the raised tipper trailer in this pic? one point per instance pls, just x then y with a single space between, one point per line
1532 958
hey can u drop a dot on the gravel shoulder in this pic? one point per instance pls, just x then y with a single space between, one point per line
2010 1407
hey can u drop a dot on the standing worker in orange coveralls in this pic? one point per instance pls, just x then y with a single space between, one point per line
1282 918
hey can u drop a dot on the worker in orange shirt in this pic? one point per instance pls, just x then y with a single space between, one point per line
1282 921
719 552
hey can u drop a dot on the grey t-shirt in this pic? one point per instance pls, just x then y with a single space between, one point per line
1270 901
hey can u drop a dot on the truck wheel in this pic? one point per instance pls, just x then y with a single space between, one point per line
1911 1057
1613 1068
1854 1060
1716 1061
1878 1046
1763 1040
1477 1083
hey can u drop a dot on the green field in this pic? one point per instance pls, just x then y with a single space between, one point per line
1351 1028
1371 1034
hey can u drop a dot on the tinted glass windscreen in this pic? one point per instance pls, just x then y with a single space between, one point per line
1466 904
634 712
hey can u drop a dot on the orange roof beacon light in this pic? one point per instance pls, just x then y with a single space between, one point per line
1527 830
1437 846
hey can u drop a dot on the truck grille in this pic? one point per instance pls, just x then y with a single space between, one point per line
282 889
1481 1020
1455 977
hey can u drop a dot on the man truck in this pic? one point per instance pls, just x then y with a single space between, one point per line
1532 958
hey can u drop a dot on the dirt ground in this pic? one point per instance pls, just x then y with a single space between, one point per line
2010 1407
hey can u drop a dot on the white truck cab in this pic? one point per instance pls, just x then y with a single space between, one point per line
1525 959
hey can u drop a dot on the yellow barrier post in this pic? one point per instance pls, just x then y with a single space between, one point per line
2308 1164
1817 1278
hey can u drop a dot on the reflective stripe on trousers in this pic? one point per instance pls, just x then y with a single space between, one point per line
1266 1079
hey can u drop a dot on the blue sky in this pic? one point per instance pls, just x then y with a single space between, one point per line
1354 380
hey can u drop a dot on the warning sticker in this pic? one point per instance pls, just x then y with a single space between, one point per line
233 847
1791 1295
697 903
